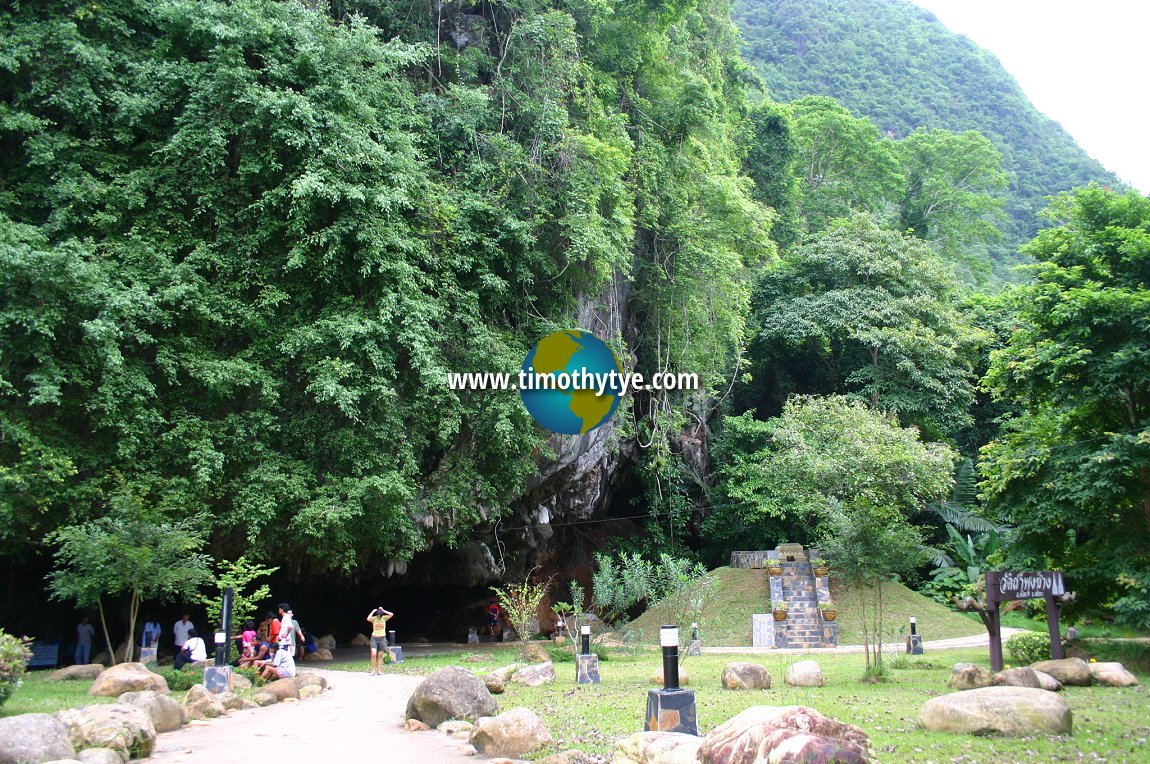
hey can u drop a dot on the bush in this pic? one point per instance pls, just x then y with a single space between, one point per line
566 654
252 673
14 655
178 681
1028 647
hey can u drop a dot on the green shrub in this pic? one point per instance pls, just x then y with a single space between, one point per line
178 681
1028 647
566 653
14 655
252 673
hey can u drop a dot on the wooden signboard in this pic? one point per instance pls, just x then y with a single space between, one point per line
1002 586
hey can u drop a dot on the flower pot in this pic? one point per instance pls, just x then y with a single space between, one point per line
822 572
830 615
775 570
780 615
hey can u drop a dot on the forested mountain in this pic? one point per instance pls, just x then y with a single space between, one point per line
896 63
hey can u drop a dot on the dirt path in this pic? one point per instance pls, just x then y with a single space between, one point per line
361 718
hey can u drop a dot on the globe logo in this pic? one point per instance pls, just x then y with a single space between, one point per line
565 373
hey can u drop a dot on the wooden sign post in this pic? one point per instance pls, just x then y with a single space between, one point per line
1002 586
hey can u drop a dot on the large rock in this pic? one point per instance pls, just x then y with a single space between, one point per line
320 654
360 640
327 642
200 704
572 757
128 677
123 728
535 675
81 671
34 738
1047 682
282 689
804 674
1072 671
657 747
763 734
535 652
99 756
684 677
1112 675
165 712
967 676
740 675
240 682
450 693
1017 711
513 733
1018 677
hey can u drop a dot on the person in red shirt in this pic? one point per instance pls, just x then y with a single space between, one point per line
493 613
273 629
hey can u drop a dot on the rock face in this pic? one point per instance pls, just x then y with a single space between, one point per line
123 728
85 671
1017 677
34 738
740 675
660 747
164 711
784 734
1017 711
128 677
1072 671
804 674
450 693
514 733
1112 675
967 676
1047 682
535 675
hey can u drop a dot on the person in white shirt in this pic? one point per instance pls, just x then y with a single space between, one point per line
287 629
194 650
180 631
150 636
281 666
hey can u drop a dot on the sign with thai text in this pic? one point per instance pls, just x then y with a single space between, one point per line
1023 585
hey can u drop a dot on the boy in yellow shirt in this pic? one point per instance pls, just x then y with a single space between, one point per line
378 619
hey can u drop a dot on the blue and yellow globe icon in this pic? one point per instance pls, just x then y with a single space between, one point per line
586 364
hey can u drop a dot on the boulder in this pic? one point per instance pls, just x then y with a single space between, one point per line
1112 675
1016 711
327 642
100 756
123 728
1071 671
240 682
1047 682
785 734
535 652
684 677
804 674
360 640
262 699
535 675
1017 677
967 676
34 738
450 693
495 684
165 712
308 679
282 689
740 675
230 701
84 671
572 757
414 725
660 747
201 704
513 733
320 654
127 677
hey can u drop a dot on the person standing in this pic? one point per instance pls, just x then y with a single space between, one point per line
84 632
287 631
378 619
150 636
181 631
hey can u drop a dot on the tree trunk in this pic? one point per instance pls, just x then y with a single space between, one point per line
107 637
865 625
133 609
880 622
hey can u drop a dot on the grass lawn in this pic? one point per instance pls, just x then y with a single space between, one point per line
36 695
744 592
1112 723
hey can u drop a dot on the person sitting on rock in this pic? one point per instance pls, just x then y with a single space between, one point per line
281 665
194 650
260 652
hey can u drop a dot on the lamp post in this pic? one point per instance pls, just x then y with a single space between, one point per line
586 663
914 641
695 646
671 709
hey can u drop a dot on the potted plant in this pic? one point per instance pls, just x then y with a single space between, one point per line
780 609
820 566
829 611
774 567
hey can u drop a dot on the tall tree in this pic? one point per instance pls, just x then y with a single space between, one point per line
1072 470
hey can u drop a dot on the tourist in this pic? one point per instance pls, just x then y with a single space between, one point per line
260 652
286 636
493 613
150 636
378 619
84 632
194 650
281 666
248 638
181 630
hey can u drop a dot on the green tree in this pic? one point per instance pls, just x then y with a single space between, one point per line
871 313
818 451
770 162
238 575
1072 469
132 551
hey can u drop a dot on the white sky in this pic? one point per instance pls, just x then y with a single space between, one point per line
1083 63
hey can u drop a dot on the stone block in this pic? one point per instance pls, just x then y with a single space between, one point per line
587 669
672 711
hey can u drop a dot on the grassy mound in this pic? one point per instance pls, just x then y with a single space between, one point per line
744 592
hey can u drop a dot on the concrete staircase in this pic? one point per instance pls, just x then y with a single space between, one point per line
804 624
